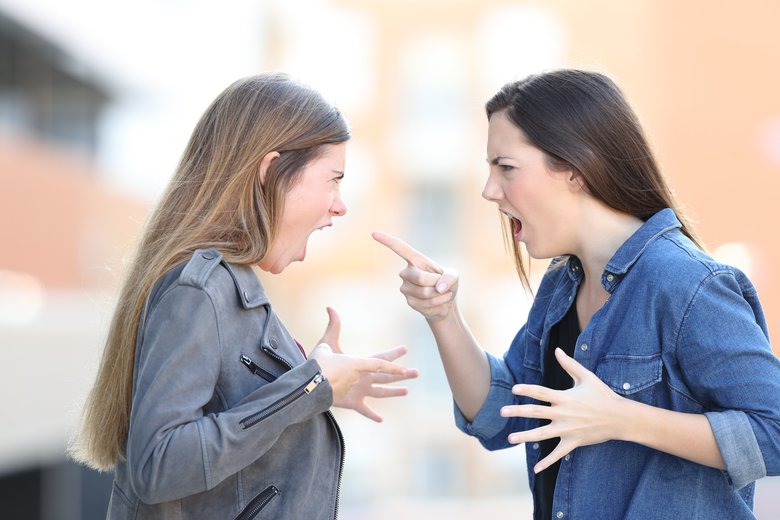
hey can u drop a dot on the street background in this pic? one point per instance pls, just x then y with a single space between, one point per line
98 98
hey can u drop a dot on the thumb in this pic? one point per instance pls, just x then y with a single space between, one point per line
445 282
570 365
333 330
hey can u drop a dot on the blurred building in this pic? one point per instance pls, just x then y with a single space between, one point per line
64 231
412 78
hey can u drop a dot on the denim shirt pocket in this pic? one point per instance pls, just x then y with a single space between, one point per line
627 375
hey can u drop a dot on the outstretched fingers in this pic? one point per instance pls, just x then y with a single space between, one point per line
381 392
538 392
560 451
407 252
380 365
393 353
571 365
332 331
368 412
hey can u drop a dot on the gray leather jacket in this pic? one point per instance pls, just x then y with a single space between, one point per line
228 420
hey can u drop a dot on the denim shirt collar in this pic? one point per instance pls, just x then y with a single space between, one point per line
630 251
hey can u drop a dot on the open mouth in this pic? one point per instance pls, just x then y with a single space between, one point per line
517 226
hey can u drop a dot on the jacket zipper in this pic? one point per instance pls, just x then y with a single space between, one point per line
258 503
330 416
305 388
257 369
277 357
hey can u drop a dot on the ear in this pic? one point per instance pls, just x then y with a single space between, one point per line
265 163
576 181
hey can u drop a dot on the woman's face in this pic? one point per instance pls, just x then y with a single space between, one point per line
540 202
310 205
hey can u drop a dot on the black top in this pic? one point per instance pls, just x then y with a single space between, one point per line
564 335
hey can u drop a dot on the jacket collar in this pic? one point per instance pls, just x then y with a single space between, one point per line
248 285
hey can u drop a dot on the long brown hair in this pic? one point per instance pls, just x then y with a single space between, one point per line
582 122
215 199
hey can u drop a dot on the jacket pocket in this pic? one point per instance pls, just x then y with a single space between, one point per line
305 388
257 369
258 503
627 375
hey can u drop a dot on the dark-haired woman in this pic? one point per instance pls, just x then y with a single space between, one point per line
643 383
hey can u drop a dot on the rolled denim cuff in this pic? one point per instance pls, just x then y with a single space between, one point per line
738 447
488 422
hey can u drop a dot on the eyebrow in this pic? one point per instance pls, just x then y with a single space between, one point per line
495 159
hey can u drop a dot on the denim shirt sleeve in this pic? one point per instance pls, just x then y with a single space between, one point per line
724 352
488 423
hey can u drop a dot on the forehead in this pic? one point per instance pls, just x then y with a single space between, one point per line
504 134
330 157
333 152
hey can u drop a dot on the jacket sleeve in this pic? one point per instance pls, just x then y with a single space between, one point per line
173 449
724 353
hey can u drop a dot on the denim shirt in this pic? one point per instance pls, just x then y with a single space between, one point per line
680 331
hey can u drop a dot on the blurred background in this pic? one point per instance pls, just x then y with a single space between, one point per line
97 100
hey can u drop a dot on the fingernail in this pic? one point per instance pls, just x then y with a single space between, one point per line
504 412
441 287
517 389
536 470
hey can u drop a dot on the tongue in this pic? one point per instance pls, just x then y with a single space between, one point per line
516 227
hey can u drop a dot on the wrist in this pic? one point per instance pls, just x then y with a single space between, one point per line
630 424
451 316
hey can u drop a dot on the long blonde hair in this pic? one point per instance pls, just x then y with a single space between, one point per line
215 199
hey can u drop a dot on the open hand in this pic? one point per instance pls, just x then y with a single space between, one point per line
355 378
429 288
587 413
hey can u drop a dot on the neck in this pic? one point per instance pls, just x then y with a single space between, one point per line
603 230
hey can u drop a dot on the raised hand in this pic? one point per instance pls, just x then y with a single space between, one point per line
587 413
355 378
429 289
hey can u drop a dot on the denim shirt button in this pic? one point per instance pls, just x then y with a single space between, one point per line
535 446
584 347
559 514
610 277
626 386
567 457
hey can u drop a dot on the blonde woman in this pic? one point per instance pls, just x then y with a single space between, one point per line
204 405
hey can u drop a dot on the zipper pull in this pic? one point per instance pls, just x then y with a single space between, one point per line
313 383
248 362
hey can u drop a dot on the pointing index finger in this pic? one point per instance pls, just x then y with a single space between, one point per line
405 251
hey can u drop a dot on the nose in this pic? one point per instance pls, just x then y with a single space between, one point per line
491 192
338 208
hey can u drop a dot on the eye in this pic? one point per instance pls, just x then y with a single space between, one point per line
505 167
